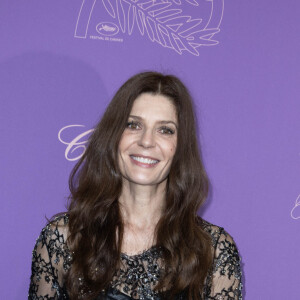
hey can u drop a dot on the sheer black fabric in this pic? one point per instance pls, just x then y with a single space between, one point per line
138 274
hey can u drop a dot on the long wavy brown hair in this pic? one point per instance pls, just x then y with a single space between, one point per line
95 222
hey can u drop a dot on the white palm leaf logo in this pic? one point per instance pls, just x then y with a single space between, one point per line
166 22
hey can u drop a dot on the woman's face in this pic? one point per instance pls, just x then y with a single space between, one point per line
149 141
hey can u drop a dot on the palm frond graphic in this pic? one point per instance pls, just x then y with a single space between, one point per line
164 23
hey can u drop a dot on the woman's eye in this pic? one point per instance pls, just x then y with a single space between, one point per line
132 125
166 130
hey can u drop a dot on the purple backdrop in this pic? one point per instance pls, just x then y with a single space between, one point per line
60 64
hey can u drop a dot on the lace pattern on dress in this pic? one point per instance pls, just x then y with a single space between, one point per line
138 274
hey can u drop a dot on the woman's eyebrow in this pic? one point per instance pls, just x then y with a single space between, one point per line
167 122
160 122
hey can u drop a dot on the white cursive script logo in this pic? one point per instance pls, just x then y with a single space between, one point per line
295 213
78 142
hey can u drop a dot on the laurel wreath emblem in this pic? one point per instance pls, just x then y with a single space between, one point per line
164 22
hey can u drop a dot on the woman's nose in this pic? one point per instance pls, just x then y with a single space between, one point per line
147 139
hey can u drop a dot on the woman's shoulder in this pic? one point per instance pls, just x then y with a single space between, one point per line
218 234
59 221
51 258
55 233
225 279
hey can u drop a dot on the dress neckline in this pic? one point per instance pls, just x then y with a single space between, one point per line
141 253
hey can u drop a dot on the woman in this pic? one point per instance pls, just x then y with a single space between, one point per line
132 230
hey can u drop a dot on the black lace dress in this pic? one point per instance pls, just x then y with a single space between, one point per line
138 274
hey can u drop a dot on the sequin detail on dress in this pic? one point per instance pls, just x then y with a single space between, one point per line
138 274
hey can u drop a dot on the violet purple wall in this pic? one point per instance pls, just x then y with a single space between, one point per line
60 64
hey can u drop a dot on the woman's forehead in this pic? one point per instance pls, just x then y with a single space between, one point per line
154 105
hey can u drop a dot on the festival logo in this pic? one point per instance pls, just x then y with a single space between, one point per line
107 28
180 25
76 143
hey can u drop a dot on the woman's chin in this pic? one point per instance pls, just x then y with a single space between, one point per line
144 181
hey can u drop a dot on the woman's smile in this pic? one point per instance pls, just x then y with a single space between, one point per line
145 162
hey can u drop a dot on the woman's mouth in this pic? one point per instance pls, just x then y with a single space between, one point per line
144 160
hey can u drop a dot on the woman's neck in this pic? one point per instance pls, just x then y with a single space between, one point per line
141 208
